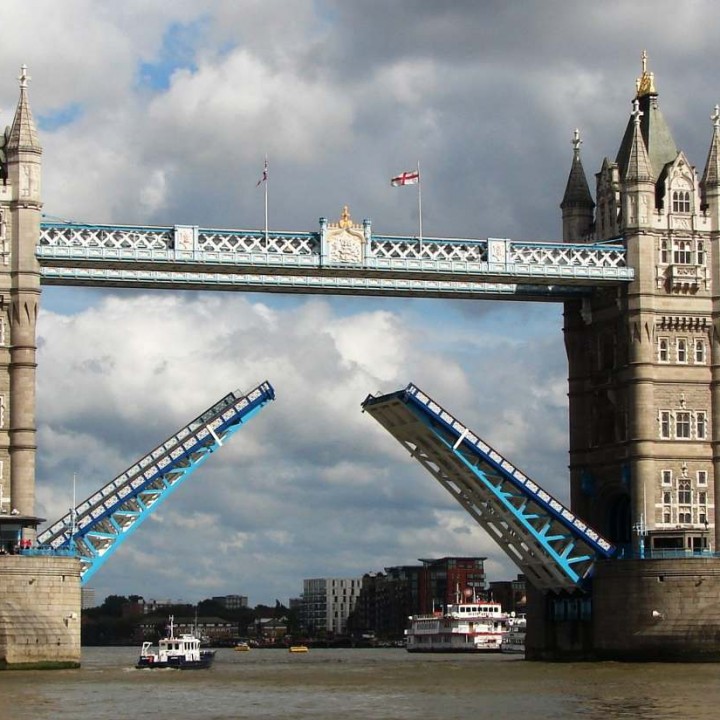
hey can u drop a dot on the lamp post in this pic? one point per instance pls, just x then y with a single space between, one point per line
641 531
707 536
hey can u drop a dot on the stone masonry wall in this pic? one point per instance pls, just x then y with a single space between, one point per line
657 610
39 612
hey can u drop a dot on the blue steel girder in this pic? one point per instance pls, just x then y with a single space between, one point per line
555 549
188 257
98 525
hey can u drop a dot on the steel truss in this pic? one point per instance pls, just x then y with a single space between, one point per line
188 257
554 548
98 526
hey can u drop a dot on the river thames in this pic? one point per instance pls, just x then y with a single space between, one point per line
369 684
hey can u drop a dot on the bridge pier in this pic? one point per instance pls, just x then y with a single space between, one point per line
39 612
638 611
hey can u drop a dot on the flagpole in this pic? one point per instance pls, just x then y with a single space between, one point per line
266 199
420 203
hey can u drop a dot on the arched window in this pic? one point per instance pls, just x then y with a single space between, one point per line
682 350
699 351
664 252
682 253
684 493
681 201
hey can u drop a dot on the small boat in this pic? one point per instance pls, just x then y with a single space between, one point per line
514 639
182 653
298 649
242 647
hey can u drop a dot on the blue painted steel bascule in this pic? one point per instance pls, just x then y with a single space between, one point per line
555 549
96 527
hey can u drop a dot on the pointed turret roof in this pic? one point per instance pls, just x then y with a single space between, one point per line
23 135
638 165
659 144
577 191
711 176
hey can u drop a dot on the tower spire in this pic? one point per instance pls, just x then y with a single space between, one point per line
710 183
711 176
639 166
23 133
659 144
577 191
577 204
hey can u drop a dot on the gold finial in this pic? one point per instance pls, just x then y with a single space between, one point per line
645 84
345 221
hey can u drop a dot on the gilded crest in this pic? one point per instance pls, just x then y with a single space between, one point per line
345 240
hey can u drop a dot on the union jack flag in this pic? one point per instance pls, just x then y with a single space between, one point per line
264 176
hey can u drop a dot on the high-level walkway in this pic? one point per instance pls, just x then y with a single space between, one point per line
340 258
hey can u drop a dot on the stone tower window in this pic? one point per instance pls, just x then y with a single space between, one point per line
700 253
681 201
684 493
664 252
666 477
682 350
663 350
665 424
700 354
700 425
702 477
682 253
682 425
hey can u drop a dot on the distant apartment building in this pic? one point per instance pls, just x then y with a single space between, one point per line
386 601
87 598
450 579
511 594
214 629
231 602
327 603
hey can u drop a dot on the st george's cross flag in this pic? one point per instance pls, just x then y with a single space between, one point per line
411 177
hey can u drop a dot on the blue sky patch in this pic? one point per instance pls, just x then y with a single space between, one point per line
65 115
177 53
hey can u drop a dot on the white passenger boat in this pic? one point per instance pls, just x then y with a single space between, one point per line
182 653
462 627
514 639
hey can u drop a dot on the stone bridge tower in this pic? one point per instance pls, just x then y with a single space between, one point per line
644 388
39 595
20 205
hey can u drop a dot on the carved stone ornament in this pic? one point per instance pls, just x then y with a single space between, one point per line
184 239
345 240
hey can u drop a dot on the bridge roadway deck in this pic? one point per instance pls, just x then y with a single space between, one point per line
188 257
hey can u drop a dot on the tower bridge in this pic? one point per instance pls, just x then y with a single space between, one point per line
629 571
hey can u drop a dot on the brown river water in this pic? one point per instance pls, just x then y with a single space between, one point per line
347 684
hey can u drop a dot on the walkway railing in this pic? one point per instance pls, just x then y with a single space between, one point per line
324 262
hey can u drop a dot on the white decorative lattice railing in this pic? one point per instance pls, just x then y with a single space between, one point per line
72 253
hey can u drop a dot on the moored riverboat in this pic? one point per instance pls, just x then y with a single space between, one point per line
182 652
514 640
462 627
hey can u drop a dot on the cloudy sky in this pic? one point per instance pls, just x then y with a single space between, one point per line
161 113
